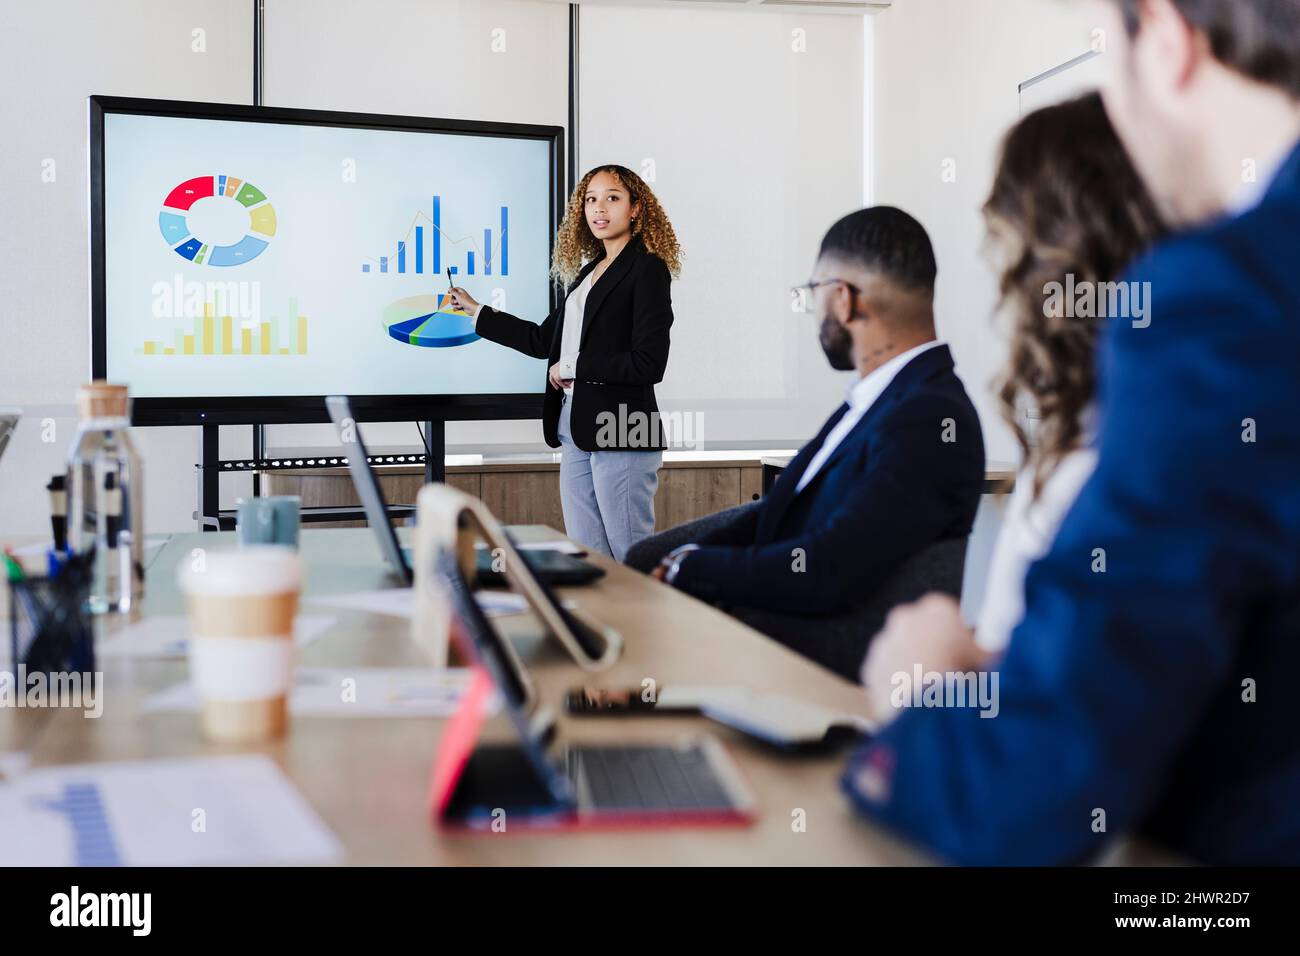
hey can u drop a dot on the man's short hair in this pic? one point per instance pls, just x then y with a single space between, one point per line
1258 38
885 241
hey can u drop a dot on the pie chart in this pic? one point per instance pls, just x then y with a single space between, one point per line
217 220
421 320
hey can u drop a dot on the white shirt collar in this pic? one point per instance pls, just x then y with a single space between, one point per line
864 392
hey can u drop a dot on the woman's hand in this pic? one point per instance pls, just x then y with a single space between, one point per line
462 300
554 376
929 632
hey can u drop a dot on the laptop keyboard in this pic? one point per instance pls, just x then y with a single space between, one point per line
660 778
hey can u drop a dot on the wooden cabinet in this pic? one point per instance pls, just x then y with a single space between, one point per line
523 492
524 497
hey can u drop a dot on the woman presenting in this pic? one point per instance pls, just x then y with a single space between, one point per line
607 346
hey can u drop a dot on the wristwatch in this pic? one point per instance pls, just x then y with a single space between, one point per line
672 561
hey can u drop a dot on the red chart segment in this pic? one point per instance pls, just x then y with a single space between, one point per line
189 192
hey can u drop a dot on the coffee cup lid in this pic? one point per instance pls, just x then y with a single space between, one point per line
256 569
100 399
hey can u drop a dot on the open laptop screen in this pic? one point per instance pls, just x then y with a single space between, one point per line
494 652
367 484
485 642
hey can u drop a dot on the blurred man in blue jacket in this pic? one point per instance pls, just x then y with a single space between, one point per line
1148 687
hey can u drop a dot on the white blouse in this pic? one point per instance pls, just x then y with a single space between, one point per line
1028 529
575 307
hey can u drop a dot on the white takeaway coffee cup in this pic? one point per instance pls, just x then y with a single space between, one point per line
241 605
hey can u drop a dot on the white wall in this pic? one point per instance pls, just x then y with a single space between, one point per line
499 60
54 54
947 74
751 125
946 78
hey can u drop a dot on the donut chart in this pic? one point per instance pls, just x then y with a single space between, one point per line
174 220
418 320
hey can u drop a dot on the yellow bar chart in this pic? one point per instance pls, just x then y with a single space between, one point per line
220 335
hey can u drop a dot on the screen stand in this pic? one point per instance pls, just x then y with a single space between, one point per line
211 466
259 452
435 452
207 472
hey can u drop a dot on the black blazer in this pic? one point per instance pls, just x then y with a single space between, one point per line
908 474
622 354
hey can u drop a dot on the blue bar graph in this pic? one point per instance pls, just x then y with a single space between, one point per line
437 235
487 256
92 834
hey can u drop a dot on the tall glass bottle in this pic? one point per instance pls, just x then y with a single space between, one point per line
105 498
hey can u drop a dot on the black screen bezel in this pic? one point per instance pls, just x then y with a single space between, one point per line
301 409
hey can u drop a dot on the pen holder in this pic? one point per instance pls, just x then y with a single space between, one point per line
50 629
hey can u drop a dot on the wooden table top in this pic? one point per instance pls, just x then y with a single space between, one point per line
368 778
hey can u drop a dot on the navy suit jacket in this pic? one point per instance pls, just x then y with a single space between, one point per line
907 475
1158 691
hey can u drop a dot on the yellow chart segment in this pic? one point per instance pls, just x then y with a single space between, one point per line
263 219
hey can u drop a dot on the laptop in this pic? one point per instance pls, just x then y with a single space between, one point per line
539 781
550 567
368 490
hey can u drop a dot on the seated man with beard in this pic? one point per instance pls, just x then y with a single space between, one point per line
897 468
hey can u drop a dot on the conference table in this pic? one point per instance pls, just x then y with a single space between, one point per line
368 777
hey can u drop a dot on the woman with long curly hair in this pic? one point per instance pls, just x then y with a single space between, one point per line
1067 210
606 345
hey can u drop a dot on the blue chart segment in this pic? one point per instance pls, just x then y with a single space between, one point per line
426 249
421 320
92 835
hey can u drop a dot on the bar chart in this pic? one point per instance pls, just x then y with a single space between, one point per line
217 335
426 249
82 806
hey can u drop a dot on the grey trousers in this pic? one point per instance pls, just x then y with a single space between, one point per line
608 497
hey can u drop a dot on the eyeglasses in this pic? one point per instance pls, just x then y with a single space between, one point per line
808 287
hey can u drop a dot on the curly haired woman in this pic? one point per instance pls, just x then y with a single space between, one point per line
1066 202
607 346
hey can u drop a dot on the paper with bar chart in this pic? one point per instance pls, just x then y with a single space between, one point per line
279 259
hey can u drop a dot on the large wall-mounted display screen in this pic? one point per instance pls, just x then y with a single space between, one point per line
248 261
